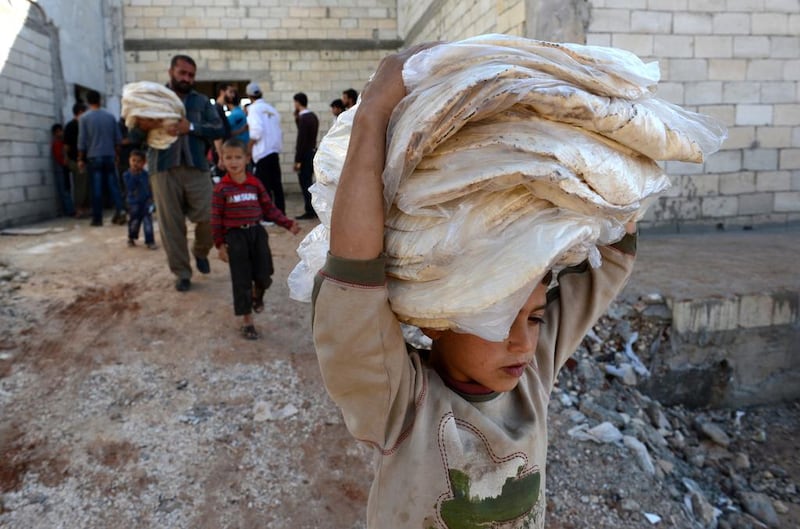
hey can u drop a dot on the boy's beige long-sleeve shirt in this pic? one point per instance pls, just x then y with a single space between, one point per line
448 460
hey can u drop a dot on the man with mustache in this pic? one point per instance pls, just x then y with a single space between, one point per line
180 177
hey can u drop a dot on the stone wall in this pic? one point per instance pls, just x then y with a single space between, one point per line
431 20
27 111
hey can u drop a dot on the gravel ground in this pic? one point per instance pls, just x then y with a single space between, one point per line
127 404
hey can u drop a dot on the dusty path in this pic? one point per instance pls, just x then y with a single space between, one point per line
126 404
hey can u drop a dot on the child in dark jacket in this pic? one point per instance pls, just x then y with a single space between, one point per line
140 200
239 204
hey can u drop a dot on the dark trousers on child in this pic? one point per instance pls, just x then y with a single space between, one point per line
250 262
139 215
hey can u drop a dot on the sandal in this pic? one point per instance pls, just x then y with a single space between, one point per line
258 300
249 332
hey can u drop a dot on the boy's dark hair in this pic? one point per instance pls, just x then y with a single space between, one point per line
235 143
351 93
93 97
181 57
223 86
55 128
137 153
301 98
78 107
338 103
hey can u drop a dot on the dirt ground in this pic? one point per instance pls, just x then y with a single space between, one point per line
128 404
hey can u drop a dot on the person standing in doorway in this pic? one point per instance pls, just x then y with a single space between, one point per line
226 95
61 170
266 139
180 177
307 128
99 138
80 178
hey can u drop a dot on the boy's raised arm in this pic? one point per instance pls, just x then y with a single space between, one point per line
357 218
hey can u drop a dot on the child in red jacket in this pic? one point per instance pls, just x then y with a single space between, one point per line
239 204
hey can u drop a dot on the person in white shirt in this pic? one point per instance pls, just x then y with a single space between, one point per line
266 138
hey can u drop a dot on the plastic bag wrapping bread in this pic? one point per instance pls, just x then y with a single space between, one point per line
145 99
507 158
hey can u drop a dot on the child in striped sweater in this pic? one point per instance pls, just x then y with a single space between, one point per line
239 204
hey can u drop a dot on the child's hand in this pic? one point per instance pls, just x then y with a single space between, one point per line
294 228
222 253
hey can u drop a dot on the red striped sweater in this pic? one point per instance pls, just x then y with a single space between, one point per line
234 205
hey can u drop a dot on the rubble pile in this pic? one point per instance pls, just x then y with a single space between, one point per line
704 459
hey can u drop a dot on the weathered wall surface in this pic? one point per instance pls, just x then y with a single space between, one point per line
431 20
27 110
318 49
738 60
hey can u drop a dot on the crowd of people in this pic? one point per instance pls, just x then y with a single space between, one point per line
98 163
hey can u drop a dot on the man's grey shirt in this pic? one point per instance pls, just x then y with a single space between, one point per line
98 133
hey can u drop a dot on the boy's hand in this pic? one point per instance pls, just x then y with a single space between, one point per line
222 253
294 228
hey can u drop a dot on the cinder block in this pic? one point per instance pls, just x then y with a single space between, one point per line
788 6
717 207
668 5
688 69
788 202
773 181
756 310
641 45
796 136
724 162
779 91
774 137
700 185
731 23
791 70
737 183
651 22
713 47
707 5
598 39
740 138
795 180
679 46
693 316
787 114
789 159
741 92
760 160
785 47
610 20
756 203
703 93
751 46
754 114
683 168
725 113
766 70
692 23
770 23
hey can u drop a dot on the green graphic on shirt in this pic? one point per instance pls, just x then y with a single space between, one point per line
517 497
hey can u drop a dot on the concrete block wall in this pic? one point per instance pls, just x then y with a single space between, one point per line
27 189
738 60
319 48
430 20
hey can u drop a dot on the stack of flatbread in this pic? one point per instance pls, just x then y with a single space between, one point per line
508 158
145 99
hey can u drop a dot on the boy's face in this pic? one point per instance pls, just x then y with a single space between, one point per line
136 163
495 365
235 160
